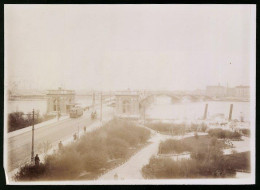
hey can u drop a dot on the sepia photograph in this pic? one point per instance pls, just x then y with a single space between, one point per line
129 94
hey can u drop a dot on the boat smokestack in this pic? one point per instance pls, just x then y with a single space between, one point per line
205 111
230 112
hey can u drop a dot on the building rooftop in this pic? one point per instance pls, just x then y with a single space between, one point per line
215 86
241 86
126 93
61 92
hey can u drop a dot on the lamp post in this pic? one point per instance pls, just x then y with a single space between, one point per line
101 107
58 108
32 151
93 101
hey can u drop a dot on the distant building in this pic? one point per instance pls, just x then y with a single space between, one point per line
60 100
242 91
198 92
230 92
127 104
218 91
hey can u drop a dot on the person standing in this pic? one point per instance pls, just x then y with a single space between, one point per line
60 145
37 160
75 136
115 176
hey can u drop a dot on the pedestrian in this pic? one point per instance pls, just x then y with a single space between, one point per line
37 160
115 176
75 136
84 129
60 145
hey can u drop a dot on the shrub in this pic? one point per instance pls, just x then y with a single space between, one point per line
198 127
173 146
224 134
91 152
208 164
30 172
165 168
204 127
245 132
169 128
19 120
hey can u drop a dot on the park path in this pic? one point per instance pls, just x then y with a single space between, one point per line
132 169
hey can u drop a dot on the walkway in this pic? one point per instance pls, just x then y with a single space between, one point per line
132 169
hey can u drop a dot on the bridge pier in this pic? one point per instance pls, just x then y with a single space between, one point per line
205 112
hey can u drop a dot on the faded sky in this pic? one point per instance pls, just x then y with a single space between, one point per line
111 47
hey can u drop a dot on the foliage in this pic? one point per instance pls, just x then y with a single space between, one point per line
245 132
198 127
224 134
173 146
169 128
190 144
207 161
165 168
240 161
30 172
19 120
177 129
91 152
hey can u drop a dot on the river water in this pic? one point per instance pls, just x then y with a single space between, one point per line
161 109
164 109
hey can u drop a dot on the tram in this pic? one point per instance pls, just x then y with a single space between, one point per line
76 112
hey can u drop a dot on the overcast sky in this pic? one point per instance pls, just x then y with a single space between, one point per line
111 47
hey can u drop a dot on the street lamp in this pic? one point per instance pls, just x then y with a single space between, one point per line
58 108
101 107
32 152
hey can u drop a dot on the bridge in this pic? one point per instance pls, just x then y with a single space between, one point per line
175 97
132 104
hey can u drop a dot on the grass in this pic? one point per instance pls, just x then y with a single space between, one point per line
91 154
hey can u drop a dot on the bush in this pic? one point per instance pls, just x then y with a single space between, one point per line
198 147
224 134
240 161
207 160
166 168
19 120
207 164
92 152
204 127
169 128
173 146
201 127
30 172
245 132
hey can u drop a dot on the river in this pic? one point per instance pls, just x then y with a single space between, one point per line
164 109
161 109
